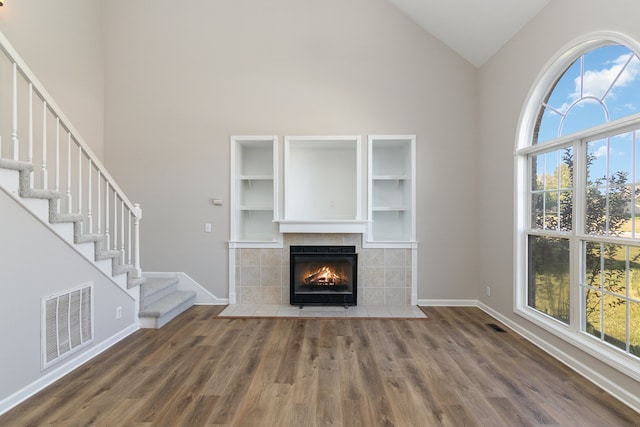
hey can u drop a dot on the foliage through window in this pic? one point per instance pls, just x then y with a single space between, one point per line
583 232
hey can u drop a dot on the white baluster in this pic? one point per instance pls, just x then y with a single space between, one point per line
99 202
14 120
90 197
69 198
115 220
136 236
107 238
129 237
44 179
122 231
30 139
57 183
80 187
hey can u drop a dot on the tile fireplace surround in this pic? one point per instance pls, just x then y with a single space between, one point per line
384 274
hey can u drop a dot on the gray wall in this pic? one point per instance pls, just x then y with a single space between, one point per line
34 263
181 78
503 85
61 42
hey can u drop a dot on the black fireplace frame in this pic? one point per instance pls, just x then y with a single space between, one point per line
323 298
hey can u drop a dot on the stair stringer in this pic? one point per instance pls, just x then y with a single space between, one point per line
43 204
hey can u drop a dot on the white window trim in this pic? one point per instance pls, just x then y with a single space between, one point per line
572 334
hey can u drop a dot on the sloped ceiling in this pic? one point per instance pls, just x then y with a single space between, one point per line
475 29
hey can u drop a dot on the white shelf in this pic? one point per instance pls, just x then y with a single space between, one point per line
390 177
250 178
391 190
256 208
390 209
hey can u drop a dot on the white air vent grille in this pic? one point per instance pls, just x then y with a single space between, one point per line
67 323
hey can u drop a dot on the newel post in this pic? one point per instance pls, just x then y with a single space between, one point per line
136 235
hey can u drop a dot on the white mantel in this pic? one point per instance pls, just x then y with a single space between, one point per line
323 226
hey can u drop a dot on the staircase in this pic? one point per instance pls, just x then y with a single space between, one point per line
55 176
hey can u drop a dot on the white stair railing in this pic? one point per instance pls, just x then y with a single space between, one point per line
28 114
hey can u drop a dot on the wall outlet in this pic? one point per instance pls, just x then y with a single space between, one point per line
207 228
488 291
119 312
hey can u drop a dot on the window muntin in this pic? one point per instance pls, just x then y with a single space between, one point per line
582 234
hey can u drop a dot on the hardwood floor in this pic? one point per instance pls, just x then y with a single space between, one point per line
201 370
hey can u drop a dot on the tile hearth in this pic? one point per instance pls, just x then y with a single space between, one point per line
274 310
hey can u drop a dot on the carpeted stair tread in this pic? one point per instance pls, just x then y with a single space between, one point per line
155 285
15 165
35 193
65 217
167 304
135 281
107 254
89 238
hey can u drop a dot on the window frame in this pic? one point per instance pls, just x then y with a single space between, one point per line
571 332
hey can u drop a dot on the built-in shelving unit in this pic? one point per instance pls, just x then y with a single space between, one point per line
254 190
391 189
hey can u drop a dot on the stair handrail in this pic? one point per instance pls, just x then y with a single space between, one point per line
20 67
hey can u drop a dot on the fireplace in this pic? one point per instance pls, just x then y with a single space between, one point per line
323 275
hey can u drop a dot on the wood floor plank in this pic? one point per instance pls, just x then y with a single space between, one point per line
201 370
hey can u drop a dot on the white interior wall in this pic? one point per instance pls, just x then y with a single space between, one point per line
503 85
24 282
180 79
61 42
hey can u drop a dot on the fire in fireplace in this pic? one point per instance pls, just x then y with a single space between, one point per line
323 275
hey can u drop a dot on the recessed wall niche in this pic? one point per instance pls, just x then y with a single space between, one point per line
322 177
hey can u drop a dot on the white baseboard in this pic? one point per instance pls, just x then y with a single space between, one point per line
64 369
632 400
448 302
186 283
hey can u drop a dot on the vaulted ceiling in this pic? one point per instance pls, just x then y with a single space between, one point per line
475 29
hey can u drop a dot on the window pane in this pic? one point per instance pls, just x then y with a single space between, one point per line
634 328
593 312
608 209
615 321
596 208
566 210
615 269
593 265
548 287
621 155
622 98
634 273
537 210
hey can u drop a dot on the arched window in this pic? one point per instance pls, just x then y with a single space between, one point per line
578 215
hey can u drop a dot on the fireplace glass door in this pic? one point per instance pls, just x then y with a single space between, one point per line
323 275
